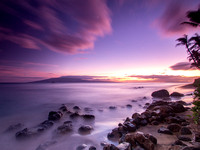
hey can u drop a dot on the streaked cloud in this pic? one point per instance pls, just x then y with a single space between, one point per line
69 26
182 66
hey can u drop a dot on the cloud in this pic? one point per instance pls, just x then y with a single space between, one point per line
69 26
182 66
164 78
169 23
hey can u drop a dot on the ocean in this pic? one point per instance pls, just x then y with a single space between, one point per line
29 104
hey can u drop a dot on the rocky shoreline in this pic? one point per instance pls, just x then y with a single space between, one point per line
164 125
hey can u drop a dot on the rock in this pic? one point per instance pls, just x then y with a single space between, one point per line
124 146
152 138
45 125
177 108
88 116
133 100
177 120
63 108
178 142
182 102
67 122
197 137
54 115
164 131
45 145
103 143
160 94
129 106
87 109
81 147
74 115
65 128
114 135
184 138
140 138
185 123
14 127
76 108
85 129
92 148
155 123
112 107
191 148
24 133
143 122
176 94
130 127
110 147
175 147
185 131
174 127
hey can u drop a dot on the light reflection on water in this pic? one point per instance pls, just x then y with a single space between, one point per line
30 103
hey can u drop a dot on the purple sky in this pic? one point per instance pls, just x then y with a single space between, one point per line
115 38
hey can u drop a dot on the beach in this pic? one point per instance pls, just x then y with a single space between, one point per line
110 103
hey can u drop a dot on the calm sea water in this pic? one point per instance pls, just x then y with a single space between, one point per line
30 104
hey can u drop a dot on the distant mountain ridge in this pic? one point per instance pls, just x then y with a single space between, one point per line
73 79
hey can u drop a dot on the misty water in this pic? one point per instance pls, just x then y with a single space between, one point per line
29 104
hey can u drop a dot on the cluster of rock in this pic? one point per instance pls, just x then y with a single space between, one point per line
159 112
53 117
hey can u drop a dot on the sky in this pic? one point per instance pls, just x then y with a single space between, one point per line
120 40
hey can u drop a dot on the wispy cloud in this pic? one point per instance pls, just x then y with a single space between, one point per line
182 66
69 26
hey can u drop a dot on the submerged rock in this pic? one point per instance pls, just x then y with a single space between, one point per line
85 129
129 106
88 116
24 133
76 108
112 107
74 115
44 125
54 115
160 93
14 127
46 145
63 108
65 128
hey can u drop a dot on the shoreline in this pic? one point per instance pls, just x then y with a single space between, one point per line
164 125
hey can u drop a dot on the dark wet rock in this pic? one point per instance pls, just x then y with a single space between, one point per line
124 146
81 147
177 108
147 104
130 127
160 94
54 115
112 107
92 148
14 127
197 137
176 119
140 138
176 94
178 142
88 116
184 138
44 125
67 122
103 143
88 109
24 133
138 148
65 128
74 115
144 97
110 147
155 123
76 108
133 100
85 129
185 123
46 145
174 127
157 103
182 102
152 138
114 135
185 131
63 108
191 148
129 106
164 131
143 122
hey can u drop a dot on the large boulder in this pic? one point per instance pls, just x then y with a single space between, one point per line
144 140
176 94
54 115
160 93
